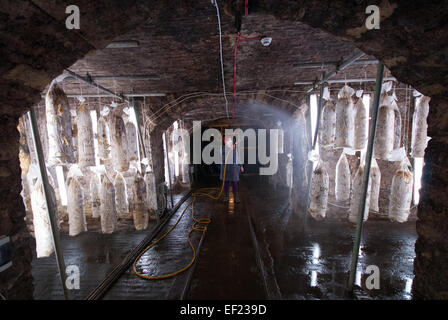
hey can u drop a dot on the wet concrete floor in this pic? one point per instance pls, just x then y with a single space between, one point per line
94 253
284 262
315 263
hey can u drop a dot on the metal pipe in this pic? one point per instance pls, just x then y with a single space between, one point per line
117 78
123 44
126 95
366 176
313 65
308 82
342 66
93 84
51 211
169 169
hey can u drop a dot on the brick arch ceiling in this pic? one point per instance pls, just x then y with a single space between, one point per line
36 46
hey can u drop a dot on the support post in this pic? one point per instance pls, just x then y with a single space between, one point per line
310 173
139 130
169 170
366 176
50 205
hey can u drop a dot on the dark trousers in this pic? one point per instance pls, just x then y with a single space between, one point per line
234 187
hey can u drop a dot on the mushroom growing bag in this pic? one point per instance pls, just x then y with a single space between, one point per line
401 193
151 193
119 141
420 127
385 129
108 209
86 151
361 125
95 199
59 127
356 197
75 208
375 180
319 193
343 179
103 139
42 230
327 128
140 212
345 120
121 199
131 134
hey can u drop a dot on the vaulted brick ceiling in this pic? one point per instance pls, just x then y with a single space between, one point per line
183 51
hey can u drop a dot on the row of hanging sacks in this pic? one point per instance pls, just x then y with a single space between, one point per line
345 120
75 202
41 222
59 126
140 211
420 127
343 179
327 129
86 150
361 123
385 129
108 211
401 193
319 192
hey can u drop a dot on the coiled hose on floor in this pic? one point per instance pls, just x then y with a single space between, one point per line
199 224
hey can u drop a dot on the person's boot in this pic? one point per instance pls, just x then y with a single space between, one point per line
225 198
237 198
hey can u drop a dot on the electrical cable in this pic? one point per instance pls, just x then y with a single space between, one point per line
198 225
183 98
215 3
234 76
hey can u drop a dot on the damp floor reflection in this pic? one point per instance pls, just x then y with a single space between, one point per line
255 249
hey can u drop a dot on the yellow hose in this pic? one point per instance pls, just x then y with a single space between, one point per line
198 225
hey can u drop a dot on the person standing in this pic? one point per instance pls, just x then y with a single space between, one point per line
233 166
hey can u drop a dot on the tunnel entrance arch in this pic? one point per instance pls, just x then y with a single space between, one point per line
30 66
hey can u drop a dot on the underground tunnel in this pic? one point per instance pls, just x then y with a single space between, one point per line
223 150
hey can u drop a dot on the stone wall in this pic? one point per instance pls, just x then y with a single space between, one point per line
17 281
431 248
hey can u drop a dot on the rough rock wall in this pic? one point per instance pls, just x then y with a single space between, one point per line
431 248
17 281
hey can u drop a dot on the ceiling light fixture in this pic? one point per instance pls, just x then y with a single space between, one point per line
266 41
